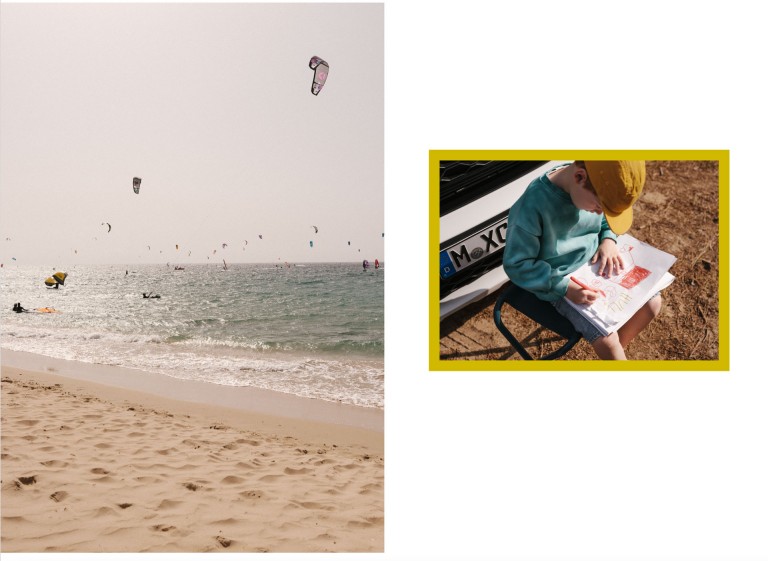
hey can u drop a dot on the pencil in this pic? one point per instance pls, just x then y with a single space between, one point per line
584 286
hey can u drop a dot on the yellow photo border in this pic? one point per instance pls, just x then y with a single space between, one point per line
723 361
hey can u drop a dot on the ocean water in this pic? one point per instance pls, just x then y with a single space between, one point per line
314 330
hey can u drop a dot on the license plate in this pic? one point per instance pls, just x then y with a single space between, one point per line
473 249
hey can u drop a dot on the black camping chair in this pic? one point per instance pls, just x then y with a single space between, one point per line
539 311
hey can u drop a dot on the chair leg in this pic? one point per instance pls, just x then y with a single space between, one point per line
567 346
504 331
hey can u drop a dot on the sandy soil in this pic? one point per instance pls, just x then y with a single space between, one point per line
93 468
677 212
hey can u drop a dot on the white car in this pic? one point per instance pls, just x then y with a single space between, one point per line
475 197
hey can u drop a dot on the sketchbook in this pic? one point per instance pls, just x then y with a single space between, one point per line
646 271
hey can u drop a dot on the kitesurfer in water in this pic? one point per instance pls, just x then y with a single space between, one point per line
18 308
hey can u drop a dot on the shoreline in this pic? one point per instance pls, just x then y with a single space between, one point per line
92 466
242 400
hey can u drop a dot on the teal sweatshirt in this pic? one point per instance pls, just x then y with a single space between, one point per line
548 238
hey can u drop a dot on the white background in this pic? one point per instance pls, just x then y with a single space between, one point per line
572 465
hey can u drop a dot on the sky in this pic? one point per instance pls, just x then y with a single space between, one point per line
211 105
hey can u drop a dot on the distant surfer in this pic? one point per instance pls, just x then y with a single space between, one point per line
18 308
149 295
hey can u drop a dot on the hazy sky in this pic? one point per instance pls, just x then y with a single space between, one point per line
210 104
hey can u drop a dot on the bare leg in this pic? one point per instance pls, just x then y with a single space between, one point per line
639 321
609 347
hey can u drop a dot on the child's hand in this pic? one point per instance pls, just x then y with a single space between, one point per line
610 258
579 295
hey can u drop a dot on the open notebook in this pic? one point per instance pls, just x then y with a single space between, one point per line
646 271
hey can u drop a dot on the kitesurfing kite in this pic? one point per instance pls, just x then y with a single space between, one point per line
321 73
55 280
136 184
109 226
315 227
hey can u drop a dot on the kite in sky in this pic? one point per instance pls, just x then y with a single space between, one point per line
108 226
136 184
321 73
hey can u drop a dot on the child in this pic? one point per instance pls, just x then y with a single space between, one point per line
571 214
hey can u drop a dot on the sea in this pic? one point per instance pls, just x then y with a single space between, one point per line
310 330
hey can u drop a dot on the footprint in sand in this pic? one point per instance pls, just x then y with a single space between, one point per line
166 451
273 477
99 471
291 471
371 487
55 463
232 479
28 422
105 511
223 541
254 494
315 506
59 496
30 480
167 504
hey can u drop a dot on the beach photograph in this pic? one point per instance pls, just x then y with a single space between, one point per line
192 278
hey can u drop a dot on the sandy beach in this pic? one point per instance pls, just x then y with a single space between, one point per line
164 465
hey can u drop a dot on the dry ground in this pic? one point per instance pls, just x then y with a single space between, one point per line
678 212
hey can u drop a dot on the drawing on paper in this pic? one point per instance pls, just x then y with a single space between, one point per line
621 295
